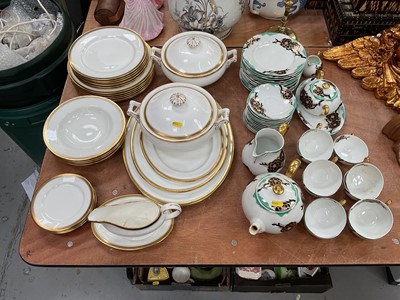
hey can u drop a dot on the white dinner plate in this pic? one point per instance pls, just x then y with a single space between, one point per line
107 52
84 127
183 198
271 52
209 158
63 203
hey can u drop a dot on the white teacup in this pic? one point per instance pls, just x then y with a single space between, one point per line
363 181
325 218
315 144
370 219
322 178
350 149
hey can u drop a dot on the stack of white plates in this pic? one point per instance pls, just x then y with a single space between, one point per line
109 61
272 58
187 178
85 130
269 105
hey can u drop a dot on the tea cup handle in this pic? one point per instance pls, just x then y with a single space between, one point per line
231 60
224 112
133 109
171 210
154 52
252 10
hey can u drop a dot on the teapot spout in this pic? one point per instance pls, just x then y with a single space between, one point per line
256 227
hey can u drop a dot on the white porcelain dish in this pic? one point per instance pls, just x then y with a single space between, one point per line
183 167
63 203
315 144
107 52
178 116
350 149
185 198
194 57
271 101
364 181
370 219
84 127
322 178
325 218
153 178
330 123
289 56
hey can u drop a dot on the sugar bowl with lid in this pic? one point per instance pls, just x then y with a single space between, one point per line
178 116
319 96
273 202
194 57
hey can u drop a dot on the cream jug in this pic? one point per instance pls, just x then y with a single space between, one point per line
265 152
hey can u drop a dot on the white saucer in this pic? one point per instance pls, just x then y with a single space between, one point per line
208 158
182 198
323 122
132 243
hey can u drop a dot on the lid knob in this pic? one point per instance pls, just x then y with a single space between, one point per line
177 99
278 189
193 42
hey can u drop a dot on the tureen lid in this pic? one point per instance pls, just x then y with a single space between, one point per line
191 54
178 112
277 194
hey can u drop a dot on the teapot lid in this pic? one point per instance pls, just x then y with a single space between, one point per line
277 194
194 54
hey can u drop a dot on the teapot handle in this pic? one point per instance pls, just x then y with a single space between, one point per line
294 165
252 10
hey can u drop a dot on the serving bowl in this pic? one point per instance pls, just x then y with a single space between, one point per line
178 116
194 57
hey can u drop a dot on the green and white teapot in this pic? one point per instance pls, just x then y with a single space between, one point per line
273 202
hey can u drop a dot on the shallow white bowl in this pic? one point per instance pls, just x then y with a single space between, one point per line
350 149
322 178
325 218
315 144
364 181
370 219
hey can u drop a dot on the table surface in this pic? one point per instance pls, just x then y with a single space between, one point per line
215 231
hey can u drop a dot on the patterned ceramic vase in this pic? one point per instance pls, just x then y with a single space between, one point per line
273 9
213 16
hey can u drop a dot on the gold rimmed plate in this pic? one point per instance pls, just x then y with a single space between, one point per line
185 198
150 175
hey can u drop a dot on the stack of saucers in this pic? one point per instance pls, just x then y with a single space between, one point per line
269 105
85 130
113 62
272 58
